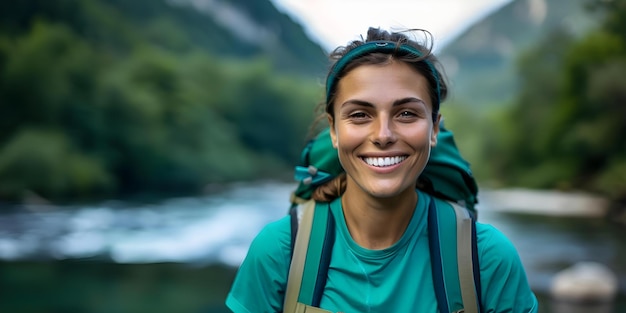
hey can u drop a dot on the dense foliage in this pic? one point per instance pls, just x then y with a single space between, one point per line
92 106
565 127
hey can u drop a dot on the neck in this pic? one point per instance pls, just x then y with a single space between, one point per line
377 223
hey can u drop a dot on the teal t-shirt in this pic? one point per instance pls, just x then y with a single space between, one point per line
395 279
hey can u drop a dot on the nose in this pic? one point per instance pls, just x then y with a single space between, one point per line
383 133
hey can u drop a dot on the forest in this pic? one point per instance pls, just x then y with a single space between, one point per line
564 128
116 99
98 102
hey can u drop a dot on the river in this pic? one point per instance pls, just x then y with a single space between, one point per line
218 228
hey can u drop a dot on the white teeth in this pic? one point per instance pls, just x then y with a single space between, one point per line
382 162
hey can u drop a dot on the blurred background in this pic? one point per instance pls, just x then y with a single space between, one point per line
144 143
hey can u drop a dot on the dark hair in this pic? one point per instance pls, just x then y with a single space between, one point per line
401 48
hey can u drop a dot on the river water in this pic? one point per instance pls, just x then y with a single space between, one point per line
218 228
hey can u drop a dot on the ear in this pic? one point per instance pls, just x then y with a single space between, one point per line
333 133
435 133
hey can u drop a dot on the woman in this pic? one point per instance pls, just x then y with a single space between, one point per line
383 97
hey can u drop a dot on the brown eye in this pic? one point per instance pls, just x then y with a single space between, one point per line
407 114
358 115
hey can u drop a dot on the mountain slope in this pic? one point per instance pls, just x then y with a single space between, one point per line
271 32
480 62
233 29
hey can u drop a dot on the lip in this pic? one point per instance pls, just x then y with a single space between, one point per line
383 155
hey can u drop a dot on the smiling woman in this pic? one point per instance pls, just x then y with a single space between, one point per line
382 106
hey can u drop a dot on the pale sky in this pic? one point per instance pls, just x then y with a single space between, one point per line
336 22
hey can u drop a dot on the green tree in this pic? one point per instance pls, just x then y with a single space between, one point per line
564 130
138 110
46 163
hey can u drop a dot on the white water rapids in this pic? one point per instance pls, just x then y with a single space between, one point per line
219 228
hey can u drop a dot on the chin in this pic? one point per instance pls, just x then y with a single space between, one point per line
385 191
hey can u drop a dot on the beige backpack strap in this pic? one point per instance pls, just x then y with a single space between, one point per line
295 199
464 226
294 281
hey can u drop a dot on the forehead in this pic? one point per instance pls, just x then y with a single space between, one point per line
383 82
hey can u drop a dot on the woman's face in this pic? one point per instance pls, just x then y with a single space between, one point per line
383 127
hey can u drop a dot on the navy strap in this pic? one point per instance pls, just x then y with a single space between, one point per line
327 250
435 257
477 283
293 213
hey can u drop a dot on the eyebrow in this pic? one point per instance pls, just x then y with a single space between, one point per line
395 103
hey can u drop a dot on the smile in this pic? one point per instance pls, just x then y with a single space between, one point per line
383 162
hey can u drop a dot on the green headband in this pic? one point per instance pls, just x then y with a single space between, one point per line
388 47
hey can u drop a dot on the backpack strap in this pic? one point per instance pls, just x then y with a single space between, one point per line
314 238
434 244
457 290
455 267
465 229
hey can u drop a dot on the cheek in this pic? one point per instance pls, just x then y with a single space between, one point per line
342 141
348 144
423 138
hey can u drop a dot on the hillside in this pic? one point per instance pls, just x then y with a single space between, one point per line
105 99
557 81
233 29
480 62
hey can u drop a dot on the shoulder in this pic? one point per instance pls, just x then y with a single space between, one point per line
503 278
494 246
273 242
261 278
497 254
